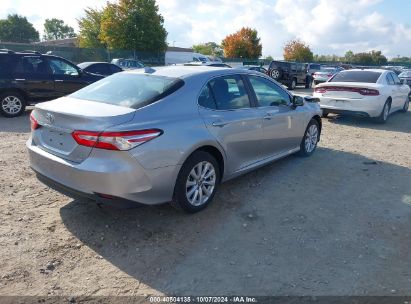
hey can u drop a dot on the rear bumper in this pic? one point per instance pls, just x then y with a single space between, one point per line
73 193
346 112
107 173
367 106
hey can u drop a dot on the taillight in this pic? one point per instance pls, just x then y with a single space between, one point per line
369 92
33 122
320 90
329 75
115 140
362 91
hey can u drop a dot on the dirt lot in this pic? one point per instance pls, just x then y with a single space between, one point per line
338 223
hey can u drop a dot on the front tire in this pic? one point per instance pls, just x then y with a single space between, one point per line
308 83
310 139
12 104
196 183
293 84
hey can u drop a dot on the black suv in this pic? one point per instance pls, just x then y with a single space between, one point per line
290 74
30 77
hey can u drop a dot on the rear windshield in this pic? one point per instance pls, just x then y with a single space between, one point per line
129 90
356 76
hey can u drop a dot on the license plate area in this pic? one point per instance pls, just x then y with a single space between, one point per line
57 140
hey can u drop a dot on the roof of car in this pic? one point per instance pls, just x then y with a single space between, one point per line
179 71
88 63
367 70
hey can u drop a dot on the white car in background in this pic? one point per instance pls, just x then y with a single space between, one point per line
370 93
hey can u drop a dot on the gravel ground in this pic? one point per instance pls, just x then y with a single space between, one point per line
338 223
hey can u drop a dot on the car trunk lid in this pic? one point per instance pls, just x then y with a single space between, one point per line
352 90
59 118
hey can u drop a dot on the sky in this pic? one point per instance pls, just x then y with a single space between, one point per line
328 26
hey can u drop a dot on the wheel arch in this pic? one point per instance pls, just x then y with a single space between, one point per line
317 118
213 151
15 90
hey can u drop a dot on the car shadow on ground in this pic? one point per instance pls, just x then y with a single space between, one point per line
19 124
332 224
397 122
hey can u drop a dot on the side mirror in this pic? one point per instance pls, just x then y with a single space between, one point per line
403 81
311 99
298 101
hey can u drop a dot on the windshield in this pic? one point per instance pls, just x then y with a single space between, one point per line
405 74
129 90
356 76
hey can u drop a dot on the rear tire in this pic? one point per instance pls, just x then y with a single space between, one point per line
382 119
406 105
310 139
12 104
196 183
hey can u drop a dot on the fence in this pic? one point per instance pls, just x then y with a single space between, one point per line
77 55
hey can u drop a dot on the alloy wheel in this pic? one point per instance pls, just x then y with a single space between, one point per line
275 74
200 183
311 138
11 105
386 112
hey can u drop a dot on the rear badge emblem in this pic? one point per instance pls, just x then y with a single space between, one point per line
50 118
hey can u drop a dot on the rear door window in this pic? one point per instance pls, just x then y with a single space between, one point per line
396 79
115 69
32 65
229 93
7 63
390 80
206 98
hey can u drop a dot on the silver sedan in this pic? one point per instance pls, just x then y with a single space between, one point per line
169 134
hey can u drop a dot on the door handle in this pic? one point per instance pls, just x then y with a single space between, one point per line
268 116
20 79
219 123
58 80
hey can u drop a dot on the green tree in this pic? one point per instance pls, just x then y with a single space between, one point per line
269 58
401 59
349 56
243 44
17 28
133 25
90 28
296 50
56 29
209 48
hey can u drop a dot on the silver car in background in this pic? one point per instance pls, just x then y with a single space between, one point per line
168 134
324 74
